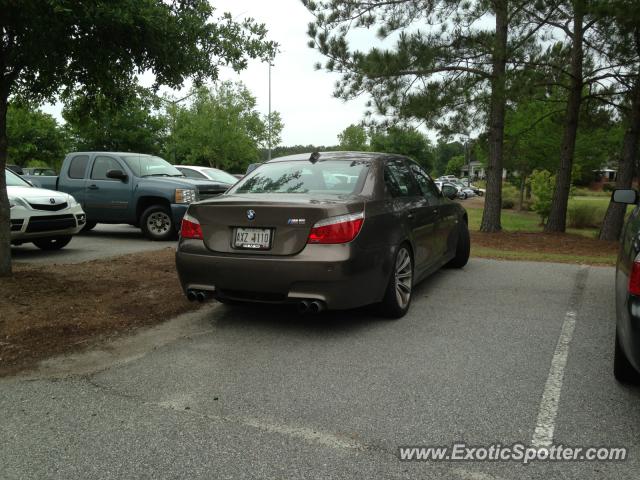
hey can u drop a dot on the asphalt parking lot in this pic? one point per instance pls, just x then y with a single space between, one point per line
263 393
104 241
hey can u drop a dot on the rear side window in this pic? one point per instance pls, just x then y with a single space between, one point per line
102 165
78 166
399 181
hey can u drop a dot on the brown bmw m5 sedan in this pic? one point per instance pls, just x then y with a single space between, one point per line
330 230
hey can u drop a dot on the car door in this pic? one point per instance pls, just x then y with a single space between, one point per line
443 210
74 178
412 209
107 199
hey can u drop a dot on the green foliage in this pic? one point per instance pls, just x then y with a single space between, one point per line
34 136
510 196
585 215
100 46
443 153
542 185
131 124
221 128
454 165
404 141
353 138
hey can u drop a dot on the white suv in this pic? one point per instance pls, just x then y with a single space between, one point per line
45 217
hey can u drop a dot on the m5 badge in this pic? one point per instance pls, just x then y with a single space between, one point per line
296 221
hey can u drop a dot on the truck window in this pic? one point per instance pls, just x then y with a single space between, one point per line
78 166
102 165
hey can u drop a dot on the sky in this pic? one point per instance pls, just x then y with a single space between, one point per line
302 95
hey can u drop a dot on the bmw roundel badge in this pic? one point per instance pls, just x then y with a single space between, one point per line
251 214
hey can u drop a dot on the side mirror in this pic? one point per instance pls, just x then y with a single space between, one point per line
117 175
626 196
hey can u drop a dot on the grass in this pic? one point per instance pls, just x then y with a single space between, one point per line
514 221
487 252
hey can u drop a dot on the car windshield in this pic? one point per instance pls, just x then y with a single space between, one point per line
335 177
219 175
149 166
14 180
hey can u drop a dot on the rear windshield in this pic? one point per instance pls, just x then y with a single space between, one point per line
336 177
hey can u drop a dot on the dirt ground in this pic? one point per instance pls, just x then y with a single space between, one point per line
47 310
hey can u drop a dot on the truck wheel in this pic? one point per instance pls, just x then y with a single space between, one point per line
52 243
157 223
89 225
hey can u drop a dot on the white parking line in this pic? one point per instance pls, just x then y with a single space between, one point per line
548 411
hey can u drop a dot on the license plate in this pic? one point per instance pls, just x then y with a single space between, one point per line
252 238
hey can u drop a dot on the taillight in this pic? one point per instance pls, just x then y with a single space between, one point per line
340 229
634 278
190 228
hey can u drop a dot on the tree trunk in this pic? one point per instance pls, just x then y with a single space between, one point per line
558 216
493 201
614 218
523 184
5 215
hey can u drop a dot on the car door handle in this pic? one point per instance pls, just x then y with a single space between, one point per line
411 213
93 187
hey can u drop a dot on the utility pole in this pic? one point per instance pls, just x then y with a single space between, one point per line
269 117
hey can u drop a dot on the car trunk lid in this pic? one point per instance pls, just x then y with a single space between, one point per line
287 217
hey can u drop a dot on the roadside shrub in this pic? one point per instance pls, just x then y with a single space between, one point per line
542 185
508 204
608 187
510 196
583 215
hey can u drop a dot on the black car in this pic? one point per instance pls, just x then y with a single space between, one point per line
626 363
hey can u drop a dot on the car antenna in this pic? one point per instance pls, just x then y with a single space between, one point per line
315 156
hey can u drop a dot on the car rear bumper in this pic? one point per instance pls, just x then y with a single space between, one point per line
342 276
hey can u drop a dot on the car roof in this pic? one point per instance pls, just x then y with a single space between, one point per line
340 155
198 167
112 153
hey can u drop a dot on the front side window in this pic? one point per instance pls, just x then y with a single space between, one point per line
78 166
333 177
427 187
150 166
101 165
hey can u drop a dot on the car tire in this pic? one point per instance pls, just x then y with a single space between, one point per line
397 298
52 243
623 371
157 224
89 225
463 247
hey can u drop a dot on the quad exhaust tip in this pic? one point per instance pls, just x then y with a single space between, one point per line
311 306
197 295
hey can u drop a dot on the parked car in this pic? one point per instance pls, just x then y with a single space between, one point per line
43 217
46 171
207 173
141 190
252 167
626 357
464 190
288 233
